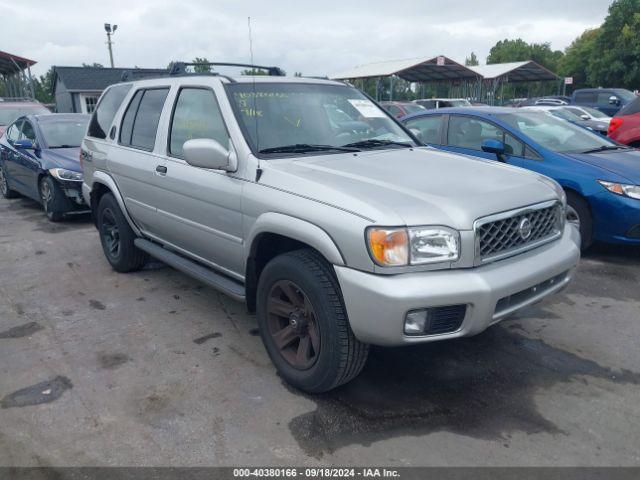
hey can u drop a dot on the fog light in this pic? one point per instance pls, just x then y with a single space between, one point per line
415 323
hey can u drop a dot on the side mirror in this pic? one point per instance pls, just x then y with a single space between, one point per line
416 133
584 116
494 146
208 153
25 144
613 100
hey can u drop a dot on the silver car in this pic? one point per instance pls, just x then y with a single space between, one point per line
337 234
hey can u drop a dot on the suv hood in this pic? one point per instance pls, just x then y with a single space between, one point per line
625 163
422 186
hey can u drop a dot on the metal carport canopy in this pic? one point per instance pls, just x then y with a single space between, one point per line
10 64
432 69
528 71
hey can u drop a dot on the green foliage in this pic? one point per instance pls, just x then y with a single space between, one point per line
92 65
615 58
519 51
200 66
471 60
577 58
254 72
43 87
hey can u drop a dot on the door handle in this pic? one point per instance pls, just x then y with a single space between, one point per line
161 170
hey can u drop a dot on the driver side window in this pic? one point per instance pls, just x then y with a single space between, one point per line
28 133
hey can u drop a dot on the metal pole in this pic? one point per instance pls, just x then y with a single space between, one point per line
109 43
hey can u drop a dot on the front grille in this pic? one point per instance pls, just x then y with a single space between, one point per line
503 235
445 319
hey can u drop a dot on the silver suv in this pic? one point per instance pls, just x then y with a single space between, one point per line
307 201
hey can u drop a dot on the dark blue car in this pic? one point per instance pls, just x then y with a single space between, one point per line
600 177
39 158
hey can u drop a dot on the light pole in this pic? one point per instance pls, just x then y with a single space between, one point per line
110 31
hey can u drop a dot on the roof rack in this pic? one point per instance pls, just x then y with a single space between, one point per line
180 68
16 99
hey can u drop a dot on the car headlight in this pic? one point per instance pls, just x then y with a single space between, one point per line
393 247
632 191
69 175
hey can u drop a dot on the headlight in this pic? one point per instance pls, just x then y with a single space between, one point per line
632 191
69 175
391 247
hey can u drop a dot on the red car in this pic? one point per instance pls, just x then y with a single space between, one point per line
400 109
625 126
11 109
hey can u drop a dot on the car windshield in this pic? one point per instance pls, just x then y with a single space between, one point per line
297 118
555 134
64 133
412 107
9 114
459 103
565 114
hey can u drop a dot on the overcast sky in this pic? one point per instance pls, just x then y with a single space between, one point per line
315 38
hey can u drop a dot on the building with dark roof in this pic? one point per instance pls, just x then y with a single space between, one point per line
77 89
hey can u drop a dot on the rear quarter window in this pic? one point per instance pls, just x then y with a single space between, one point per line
140 122
106 110
586 97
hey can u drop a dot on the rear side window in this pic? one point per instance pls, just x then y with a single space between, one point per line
603 98
429 128
630 108
105 112
196 115
586 97
140 122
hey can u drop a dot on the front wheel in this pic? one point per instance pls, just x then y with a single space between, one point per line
304 325
579 215
117 237
53 199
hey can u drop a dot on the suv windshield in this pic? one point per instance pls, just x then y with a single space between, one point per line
294 118
555 134
64 134
9 114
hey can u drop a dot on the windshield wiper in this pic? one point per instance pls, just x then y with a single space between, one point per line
373 143
604 148
307 147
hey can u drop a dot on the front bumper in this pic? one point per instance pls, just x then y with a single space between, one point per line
73 191
377 304
616 218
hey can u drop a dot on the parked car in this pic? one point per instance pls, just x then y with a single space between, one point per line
565 113
400 109
607 100
601 178
625 126
336 239
39 158
553 100
433 103
10 109
588 113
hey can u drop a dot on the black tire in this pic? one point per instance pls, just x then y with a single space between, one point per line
117 237
4 185
53 199
578 206
340 356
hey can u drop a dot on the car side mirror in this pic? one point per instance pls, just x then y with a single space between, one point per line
584 116
208 153
416 133
613 100
25 144
494 146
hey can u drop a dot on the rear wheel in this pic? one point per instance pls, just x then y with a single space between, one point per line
53 199
4 184
579 215
304 325
117 237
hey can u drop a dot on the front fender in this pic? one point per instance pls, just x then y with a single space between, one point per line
295 229
105 179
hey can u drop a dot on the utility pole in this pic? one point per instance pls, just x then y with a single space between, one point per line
110 31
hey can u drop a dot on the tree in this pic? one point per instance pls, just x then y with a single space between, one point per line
254 71
577 58
471 60
43 87
519 51
92 65
615 57
201 66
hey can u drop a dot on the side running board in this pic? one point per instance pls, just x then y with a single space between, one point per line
193 269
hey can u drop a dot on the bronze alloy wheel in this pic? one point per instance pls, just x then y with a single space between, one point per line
291 321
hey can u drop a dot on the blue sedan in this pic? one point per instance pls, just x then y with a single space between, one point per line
600 177
39 158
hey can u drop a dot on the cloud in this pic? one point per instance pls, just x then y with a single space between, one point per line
314 38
